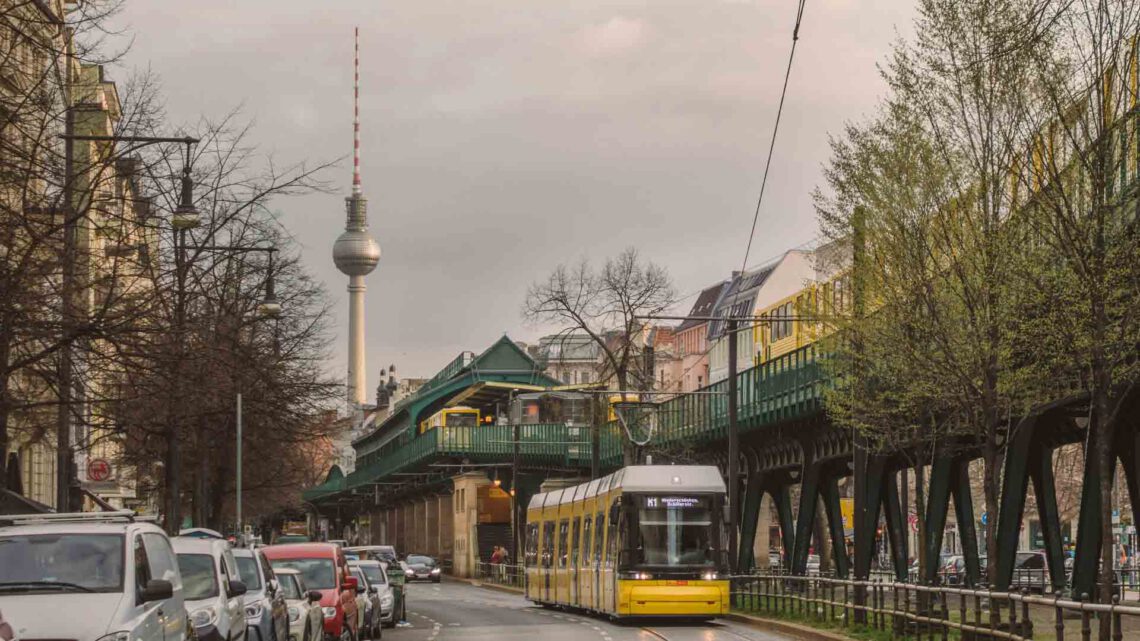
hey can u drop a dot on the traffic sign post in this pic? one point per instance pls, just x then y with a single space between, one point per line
98 470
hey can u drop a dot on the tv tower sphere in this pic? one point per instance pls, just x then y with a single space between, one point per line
356 252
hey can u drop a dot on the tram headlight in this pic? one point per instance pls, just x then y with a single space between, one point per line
709 576
637 576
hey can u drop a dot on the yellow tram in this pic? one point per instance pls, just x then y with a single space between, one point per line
458 416
647 540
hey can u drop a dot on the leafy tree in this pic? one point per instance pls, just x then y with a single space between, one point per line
931 177
1080 315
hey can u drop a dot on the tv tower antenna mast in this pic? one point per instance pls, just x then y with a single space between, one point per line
355 251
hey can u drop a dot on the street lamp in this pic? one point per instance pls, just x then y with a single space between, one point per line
270 307
186 215
66 474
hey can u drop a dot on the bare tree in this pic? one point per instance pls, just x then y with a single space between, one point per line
610 306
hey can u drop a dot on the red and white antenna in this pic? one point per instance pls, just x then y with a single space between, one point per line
356 112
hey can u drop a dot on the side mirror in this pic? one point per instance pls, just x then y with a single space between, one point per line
236 588
350 583
274 586
157 590
313 596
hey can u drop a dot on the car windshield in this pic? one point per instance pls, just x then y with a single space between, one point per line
375 574
82 562
249 572
289 588
416 559
318 574
676 531
360 577
199 578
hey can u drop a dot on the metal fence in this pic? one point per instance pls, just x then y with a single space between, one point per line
912 610
508 574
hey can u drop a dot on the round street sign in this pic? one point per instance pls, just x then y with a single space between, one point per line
98 469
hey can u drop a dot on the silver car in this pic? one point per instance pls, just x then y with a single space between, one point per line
266 615
212 587
90 576
377 576
306 620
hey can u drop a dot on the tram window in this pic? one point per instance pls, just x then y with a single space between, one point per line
547 543
531 544
612 537
586 522
599 536
563 530
575 543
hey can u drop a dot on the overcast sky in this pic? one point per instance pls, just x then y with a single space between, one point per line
502 137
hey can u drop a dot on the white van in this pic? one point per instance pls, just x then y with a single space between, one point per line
92 576
213 588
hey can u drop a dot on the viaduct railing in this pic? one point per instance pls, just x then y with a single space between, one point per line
781 389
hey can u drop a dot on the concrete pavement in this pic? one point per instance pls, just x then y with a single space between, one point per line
453 611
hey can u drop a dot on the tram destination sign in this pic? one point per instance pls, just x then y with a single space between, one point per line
676 502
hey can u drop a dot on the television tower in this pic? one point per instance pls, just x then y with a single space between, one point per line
356 252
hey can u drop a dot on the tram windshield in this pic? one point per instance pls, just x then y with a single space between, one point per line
462 419
677 531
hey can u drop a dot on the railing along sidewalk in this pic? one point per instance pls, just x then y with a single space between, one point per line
507 574
921 611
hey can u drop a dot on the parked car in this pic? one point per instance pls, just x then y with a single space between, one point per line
378 590
368 600
386 553
1030 572
324 569
266 615
812 567
422 568
291 538
953 571
306 621
89 576
212 587
378 582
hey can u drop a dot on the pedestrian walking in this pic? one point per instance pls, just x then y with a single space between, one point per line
496 557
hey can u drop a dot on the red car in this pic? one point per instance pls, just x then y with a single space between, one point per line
324 569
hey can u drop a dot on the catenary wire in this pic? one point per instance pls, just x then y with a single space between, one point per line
775 130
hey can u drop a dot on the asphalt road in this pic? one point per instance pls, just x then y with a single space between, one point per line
453 611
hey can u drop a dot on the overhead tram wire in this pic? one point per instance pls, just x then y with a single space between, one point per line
775 130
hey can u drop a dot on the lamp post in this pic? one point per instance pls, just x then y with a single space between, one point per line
270 307
515 520
66 474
